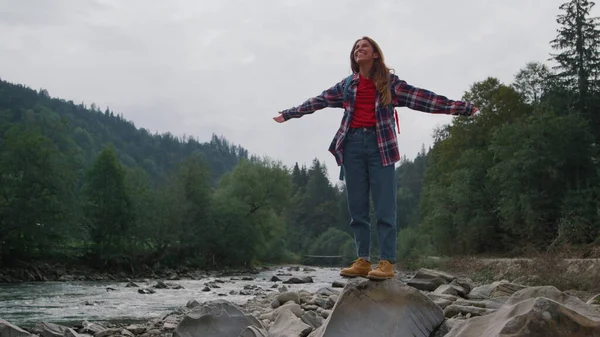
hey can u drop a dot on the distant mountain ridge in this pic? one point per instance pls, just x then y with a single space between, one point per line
88 130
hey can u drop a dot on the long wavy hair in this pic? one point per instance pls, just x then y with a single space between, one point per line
380 73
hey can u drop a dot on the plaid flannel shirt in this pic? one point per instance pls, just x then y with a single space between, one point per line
403 95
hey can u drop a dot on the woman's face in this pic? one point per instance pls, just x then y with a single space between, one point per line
363 52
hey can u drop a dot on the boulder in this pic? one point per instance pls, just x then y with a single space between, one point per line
313 319
442 300
252 331
327 291
299 280
493 303
192 303
338 284
114 332
429 280
469 311
50 329
288 324
450 289
215 319
293 307
91 328
380 308
595 300
71 333
9 330
288 296
535 311
496 289
506 289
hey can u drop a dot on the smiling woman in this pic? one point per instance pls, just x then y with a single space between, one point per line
366 148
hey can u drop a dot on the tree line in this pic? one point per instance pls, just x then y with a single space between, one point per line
523 176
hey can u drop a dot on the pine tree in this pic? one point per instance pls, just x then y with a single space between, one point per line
578 41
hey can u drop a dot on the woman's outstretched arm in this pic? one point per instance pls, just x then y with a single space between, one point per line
330 98
406 95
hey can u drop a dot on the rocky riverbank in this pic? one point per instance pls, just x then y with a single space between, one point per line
43 271
430 303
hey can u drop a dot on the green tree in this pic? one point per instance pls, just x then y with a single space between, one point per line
315 210
533 81
578 43
541 162
457 206
36 195
192 193
108 209
248 221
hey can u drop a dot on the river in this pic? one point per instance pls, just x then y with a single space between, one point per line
25 304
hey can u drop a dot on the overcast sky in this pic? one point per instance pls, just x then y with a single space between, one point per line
201 67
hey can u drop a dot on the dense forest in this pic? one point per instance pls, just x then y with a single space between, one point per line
90 188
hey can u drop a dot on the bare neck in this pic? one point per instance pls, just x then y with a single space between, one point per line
365 70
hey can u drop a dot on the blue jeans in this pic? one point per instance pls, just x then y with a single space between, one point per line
364 173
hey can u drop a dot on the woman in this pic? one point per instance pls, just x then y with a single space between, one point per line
366 148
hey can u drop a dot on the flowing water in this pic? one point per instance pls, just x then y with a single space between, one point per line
68 303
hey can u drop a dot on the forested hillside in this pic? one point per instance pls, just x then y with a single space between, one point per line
88 187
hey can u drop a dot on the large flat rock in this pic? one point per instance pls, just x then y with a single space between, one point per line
381 308
216 319
535 311
9 330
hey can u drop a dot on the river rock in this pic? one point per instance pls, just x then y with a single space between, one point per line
91 328
192 303
506 289
153 333
326 291
114 332
215 319
288 296
442 300
252 331
450 289
160 285
288 324
535 311
429 280
595 300
493 303
299 280
136 329
293 307
313 319
465 310
46 329
9 330
338 284
381 308
484 292
71 333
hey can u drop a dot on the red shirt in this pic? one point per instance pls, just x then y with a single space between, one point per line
364 106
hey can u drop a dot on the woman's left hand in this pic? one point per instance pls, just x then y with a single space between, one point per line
279 119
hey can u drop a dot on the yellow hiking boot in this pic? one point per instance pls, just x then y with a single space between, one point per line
360 267
384 271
